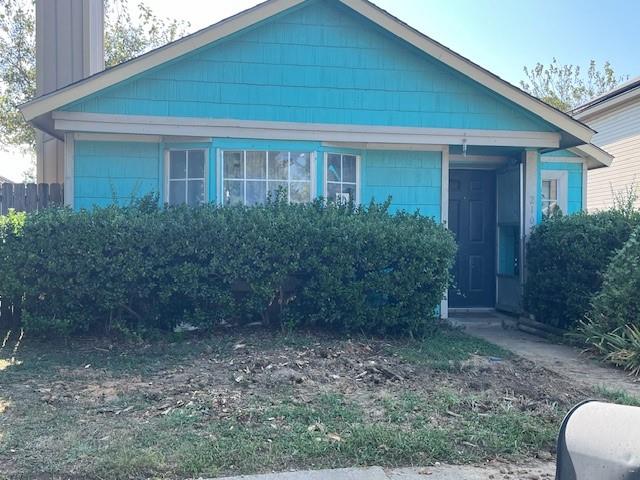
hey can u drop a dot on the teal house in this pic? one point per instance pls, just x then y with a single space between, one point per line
335 99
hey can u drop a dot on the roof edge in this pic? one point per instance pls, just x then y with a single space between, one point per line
153 58
608 99
83 88
595 156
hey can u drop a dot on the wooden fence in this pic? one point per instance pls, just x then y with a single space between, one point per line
29 197
25 197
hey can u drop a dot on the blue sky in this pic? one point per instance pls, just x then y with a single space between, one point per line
500 35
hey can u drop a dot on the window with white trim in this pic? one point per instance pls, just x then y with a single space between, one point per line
554 192
186 177
249 176
341 177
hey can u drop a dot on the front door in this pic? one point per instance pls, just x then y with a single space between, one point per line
472 213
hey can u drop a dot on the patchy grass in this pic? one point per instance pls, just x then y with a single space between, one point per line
447 350
257 401
617 396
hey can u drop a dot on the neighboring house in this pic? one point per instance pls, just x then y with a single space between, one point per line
5 180
616 117
332 98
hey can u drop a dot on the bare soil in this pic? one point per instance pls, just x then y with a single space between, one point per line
93 399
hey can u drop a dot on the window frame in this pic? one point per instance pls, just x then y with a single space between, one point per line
167 173
562 181
325 186
221 178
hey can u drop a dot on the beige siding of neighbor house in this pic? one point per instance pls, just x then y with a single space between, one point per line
619 134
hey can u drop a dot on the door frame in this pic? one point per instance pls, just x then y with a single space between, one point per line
493 226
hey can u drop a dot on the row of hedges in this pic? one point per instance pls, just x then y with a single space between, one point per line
146 267
567 257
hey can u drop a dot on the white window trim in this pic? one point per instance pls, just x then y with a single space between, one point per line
562 177
167 182
221 177
325 183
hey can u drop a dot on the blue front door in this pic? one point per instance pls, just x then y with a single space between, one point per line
472 219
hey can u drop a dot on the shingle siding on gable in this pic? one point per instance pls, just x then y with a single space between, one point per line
320 63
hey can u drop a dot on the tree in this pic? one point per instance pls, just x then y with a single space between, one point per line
565 86
124 39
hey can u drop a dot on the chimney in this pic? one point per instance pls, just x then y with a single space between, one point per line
69 47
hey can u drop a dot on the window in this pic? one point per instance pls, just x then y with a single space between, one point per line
342 177
554 191
186 177
549 196
248 176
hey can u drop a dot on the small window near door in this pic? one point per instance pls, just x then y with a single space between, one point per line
342 178
186 177
549 196
554 192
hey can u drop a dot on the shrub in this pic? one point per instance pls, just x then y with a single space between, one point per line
567 257
612 327
145 267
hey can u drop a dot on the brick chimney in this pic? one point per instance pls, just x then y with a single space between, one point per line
69 47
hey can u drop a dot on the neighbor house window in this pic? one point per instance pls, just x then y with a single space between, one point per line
249 176
554 191
342 177
186 177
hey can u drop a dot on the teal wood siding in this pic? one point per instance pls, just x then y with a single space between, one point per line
120 171
321 63
574 195
413 180
108 172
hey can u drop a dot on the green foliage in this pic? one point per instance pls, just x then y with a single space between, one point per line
125 38
567 257
144 267
17 69
565 86
612 327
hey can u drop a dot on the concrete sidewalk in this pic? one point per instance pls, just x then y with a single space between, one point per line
534 471
562 359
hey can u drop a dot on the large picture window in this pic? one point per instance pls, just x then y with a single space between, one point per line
186 177
249 176
341 177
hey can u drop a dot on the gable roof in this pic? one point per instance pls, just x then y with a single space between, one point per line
621 94
594 156
36 110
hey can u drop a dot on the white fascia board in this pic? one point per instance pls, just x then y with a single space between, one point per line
470 69
91 85
227 128
76 91
594 157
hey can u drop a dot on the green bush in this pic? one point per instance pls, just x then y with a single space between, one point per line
145 267
566 259
612 327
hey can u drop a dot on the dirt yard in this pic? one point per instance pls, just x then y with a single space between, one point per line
256 401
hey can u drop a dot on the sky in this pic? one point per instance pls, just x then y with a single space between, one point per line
500 35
